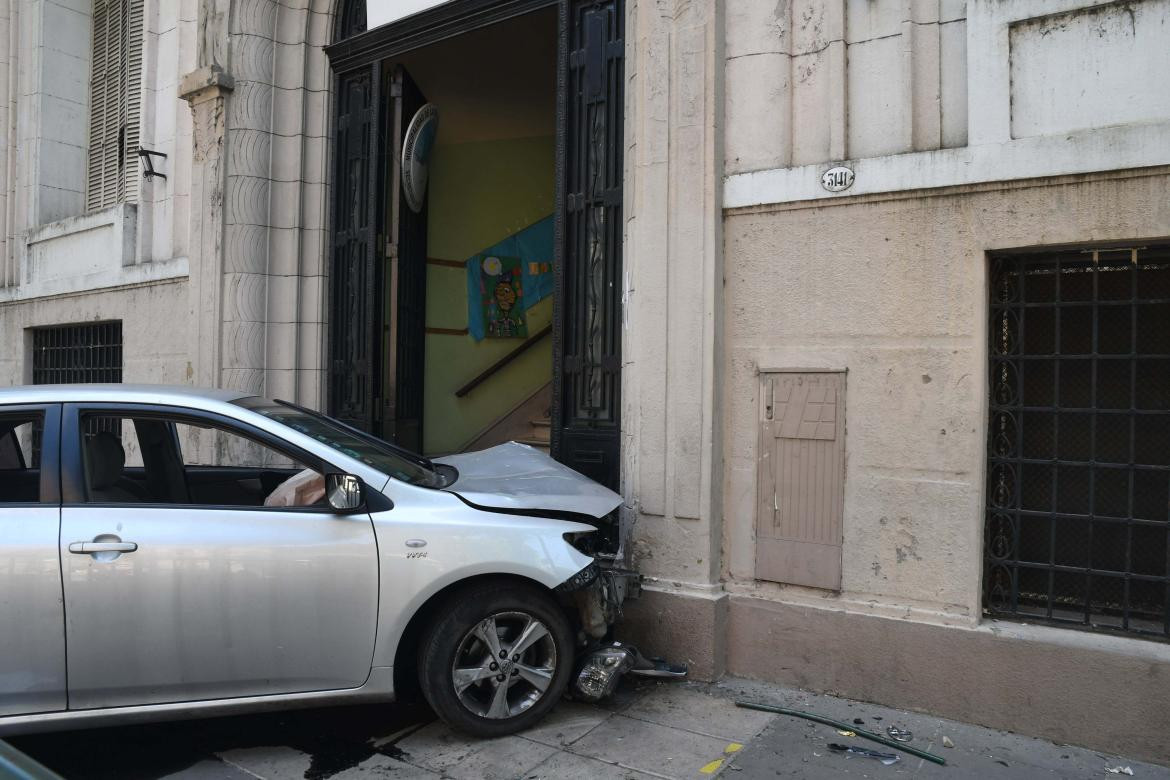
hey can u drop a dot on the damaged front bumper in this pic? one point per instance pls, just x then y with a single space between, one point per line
598 593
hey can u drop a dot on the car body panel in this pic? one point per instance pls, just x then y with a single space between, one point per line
518 477
378 688
530 547
32 644
228 602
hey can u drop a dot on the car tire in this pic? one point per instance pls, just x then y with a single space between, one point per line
492 636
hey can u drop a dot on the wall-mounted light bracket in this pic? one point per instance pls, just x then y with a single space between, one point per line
147 156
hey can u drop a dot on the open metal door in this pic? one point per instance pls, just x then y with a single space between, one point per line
354 270
406 288
378 265
587 383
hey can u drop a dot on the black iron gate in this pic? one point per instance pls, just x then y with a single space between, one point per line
1078 494
588 328
355 269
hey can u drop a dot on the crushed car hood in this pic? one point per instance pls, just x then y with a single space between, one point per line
516 476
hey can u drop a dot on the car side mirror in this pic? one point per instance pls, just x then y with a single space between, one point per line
344 492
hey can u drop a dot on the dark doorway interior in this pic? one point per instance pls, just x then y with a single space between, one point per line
586 328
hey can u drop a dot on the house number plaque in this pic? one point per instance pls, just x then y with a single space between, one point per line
837 179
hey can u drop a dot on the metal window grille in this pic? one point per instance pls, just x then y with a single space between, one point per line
1078 495
77 353
115 88
66 354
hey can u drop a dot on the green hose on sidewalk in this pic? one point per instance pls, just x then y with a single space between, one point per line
844 727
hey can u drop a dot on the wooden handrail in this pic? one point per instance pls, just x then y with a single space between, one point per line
505 360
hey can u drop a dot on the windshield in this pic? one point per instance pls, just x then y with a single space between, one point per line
399 463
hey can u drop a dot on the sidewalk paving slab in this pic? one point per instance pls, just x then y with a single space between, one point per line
698 709
568 722
438 749
648 747
652 729
570 766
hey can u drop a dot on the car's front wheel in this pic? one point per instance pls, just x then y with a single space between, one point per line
497 660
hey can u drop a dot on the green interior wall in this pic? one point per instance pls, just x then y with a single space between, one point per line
479 193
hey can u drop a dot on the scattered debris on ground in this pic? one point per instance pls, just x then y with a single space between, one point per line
885 758
899 735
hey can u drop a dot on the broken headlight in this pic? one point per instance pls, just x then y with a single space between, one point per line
581 579
601 670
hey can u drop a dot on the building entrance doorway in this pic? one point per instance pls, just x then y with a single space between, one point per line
485 307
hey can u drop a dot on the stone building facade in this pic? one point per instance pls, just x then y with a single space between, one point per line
984 140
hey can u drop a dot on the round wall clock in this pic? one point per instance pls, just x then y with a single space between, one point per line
416 152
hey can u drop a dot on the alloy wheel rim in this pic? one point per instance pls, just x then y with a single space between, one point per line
504 665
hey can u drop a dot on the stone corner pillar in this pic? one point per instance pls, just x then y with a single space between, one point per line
672 373
206 89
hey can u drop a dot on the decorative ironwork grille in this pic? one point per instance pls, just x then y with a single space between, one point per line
354 279
351 21
1078 494
589 280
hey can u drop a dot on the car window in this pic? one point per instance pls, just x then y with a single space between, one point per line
20 455
383 456
177 460
225 467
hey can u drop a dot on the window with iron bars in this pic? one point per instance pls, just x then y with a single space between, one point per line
70 354
1078 493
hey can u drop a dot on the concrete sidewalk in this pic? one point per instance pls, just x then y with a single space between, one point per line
688 730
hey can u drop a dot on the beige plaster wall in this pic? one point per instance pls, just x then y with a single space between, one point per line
892 289
155 330
811 81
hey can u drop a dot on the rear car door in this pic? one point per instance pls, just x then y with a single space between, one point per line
176 590
32 638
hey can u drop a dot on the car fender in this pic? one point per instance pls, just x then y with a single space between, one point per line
431 540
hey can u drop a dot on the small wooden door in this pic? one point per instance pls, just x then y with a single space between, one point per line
801 479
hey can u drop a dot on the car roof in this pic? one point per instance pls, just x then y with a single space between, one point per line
171 395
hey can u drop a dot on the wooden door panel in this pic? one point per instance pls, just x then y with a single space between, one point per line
801 479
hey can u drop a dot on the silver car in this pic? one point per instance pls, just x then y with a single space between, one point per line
170 553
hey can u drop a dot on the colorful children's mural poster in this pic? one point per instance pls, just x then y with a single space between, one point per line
501 294
507 279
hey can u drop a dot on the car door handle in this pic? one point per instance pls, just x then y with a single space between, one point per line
87 548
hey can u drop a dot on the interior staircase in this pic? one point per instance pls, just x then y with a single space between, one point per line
528 423
541 431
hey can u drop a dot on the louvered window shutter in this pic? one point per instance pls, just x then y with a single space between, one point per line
115 104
